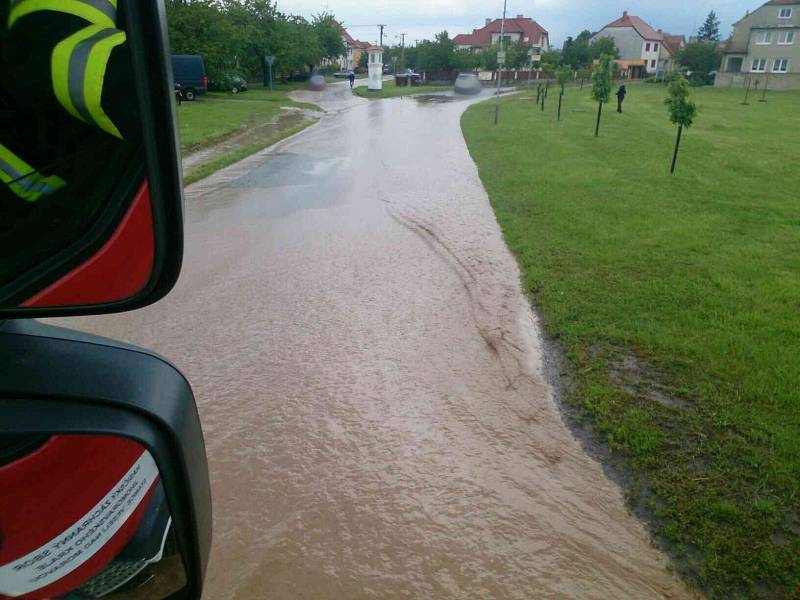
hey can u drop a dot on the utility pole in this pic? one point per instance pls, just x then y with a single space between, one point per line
402 37
501 55
381 26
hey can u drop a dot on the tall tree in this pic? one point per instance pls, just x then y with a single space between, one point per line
682 110
200 27
700 57
709 32
601 86
601 46
329 34
518 55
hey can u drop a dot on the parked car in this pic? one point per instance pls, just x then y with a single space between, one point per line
229 83
343 74
408 78
189 71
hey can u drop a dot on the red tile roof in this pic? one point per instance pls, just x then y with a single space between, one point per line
482 38
641 27
673 42
351 40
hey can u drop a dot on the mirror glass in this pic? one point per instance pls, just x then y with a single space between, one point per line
84 517
71 157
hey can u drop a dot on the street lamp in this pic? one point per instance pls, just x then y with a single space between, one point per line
501 58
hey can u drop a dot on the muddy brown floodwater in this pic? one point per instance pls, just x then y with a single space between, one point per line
370 380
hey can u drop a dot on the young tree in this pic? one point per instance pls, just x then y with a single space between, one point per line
682 110
564 76
709 32
601 86
583 75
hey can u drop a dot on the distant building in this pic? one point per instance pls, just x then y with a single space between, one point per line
353 51
640 46
669 51
520 29
765 45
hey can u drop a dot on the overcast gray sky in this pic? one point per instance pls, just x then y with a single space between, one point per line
422 19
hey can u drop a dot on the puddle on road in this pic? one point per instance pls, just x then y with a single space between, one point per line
434 98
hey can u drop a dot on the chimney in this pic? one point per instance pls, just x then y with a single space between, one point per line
488 21
624 13
520 16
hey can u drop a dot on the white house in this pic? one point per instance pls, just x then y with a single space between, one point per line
640 46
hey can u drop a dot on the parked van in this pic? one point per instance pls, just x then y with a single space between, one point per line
189 71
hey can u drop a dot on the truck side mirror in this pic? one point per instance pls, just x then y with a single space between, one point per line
104 489
91 192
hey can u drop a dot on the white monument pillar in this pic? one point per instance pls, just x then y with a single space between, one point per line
375 68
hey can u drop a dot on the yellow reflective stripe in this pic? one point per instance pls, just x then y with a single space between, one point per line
24 180
94 80
98 12
79 66
60 67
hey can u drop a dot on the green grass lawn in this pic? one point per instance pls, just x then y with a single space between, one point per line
218 115
677 302
390 90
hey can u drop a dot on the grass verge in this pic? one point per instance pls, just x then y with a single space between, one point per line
676 302
217 116
390 90
238 154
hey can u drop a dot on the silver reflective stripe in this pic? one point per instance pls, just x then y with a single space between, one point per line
30 183
12 173
104 6
77 71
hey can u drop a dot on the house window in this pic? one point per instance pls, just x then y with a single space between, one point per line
647 47
652 64
785 13
759 65
764 38
655 47
786 38
780 65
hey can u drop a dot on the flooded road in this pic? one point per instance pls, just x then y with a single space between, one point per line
370 380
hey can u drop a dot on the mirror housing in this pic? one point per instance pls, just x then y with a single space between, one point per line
86 385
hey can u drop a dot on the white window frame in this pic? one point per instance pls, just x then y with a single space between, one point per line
787 37
762 63
655 47
780 62
785 13
766 36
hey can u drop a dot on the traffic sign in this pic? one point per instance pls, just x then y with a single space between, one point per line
501 57
270 59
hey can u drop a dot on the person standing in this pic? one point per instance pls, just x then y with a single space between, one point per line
621 92
352 78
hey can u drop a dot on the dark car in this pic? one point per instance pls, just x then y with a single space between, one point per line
189 71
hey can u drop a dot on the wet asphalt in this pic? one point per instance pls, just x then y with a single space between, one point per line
370 379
